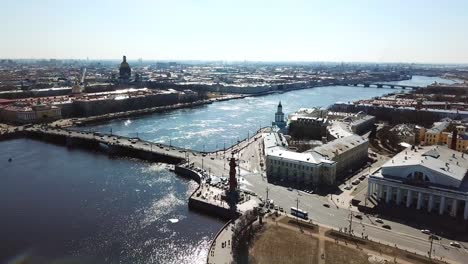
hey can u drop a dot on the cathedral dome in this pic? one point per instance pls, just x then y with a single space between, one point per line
124 69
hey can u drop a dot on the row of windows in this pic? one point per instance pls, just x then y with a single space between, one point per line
27 116
291 165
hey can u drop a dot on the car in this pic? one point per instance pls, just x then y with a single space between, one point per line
362 177
434 237
290 189
356 182
204 155
281 209
455 244
272 206
348 187
212 158
386 227
326 205
358 216
378 220
426 231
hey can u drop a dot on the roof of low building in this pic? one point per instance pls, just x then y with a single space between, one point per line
340 145
438 127
449 167
306 157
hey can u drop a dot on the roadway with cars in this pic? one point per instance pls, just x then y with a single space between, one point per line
335 216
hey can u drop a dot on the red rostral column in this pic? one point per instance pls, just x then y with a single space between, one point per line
232 175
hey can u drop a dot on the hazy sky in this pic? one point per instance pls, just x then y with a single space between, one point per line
434 31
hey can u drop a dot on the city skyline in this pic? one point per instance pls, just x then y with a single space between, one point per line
362 31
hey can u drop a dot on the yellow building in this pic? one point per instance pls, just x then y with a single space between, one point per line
23 113
437 135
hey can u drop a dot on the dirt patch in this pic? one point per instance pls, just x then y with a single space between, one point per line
339 254
304 225
278 244
380 248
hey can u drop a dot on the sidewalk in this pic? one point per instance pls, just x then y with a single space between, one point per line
221 250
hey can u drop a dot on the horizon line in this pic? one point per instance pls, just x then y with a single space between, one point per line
244 61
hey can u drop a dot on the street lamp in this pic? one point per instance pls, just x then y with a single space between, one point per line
297 208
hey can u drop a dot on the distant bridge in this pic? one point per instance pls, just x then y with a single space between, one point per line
385 85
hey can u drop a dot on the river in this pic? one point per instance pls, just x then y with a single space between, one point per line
211 127
73 206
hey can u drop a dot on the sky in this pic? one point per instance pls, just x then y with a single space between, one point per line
419 31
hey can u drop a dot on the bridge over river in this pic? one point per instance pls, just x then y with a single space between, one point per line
214 163
385 85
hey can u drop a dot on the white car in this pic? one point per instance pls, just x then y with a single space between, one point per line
378 220
455 244
426 231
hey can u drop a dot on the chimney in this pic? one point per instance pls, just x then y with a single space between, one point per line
453 144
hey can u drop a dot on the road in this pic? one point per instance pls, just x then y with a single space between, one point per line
404 236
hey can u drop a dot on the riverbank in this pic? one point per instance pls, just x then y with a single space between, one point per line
140 112
81 121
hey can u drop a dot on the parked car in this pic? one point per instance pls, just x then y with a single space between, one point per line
434 237
326 205
358 216
378 220
426 231
290 189
386 227
455 244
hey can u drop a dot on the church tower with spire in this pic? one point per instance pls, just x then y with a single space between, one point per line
279 117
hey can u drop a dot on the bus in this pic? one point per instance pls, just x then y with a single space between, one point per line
299 213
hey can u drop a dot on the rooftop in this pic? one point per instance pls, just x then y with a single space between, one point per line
444 166
306 157
331 149
438 127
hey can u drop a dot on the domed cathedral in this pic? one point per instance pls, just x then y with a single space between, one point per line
124 71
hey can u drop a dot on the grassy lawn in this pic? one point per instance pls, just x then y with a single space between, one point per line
281 245
338 254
